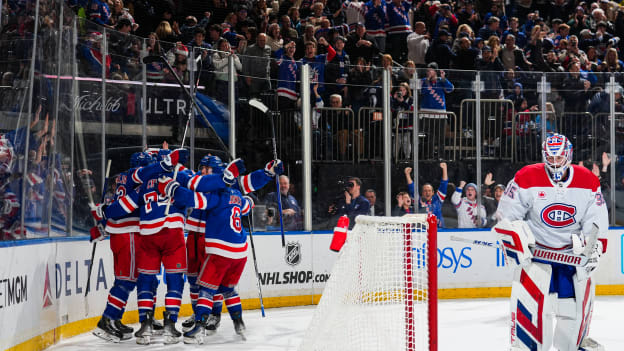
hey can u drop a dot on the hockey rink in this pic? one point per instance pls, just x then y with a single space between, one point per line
475 324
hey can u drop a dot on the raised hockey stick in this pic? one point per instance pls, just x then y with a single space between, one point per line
262 107
88 288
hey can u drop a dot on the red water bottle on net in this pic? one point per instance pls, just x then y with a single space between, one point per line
340 234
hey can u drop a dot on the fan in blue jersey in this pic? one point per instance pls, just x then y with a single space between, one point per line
225 244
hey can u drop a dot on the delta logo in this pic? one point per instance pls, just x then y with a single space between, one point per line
47 292
558 215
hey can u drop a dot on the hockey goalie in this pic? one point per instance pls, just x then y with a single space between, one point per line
552 210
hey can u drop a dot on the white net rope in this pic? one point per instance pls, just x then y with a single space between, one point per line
368 302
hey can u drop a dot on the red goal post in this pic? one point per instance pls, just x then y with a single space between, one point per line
382 292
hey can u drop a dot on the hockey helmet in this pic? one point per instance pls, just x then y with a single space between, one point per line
214 162
557 155
141 159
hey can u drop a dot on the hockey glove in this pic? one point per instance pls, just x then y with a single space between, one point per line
232 171
250 201
98 212
97 233
594 258
179 156
274 167
516 238
167 186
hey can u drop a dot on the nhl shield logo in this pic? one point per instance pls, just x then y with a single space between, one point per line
293 253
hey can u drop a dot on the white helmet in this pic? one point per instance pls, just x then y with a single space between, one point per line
557 145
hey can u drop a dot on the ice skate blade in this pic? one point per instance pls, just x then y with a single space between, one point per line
127 336
105 336
143 340
197 340
185 329
590 344
170 339
209 332
242 335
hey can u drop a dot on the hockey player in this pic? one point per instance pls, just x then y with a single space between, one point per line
124 241
468 215
225 245
552 206
162 241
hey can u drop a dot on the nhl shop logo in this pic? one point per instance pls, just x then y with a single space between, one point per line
293 253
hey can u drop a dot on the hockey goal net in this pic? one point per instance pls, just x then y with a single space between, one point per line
382 292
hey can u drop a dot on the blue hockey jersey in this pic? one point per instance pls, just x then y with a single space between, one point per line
375 19
397 19
287 77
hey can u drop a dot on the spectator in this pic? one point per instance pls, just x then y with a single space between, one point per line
401 102
220 62
256 66
91 52
352 204
444 18
375 22
274 39
433 108
611 62
404 204
466 56
429 201
337 70
575 90
467 15
166 35
520 37
376 207
512 56
214 34
119 11
398 28
354 12
418 44
307 37
292 213
287 30
406 74
361 44
440 52
492 67
317 62
359 80
491 28
98 12
469 214
491 204
287 78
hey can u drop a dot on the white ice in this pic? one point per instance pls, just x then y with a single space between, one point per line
478 324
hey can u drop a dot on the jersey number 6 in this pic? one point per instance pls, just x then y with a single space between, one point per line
235 220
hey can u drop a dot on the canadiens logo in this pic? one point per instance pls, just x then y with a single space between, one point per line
558 215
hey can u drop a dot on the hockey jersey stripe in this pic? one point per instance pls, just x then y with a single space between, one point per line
246 208
135 176
127 204
247 185
152 227
376 33
200 201
192 183
195 225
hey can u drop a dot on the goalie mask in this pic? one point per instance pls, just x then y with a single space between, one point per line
557 155
214 162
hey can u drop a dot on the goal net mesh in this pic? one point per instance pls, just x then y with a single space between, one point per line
377 295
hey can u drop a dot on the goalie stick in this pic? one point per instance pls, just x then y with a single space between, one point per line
570 259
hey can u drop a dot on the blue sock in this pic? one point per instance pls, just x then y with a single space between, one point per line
117 298
173 298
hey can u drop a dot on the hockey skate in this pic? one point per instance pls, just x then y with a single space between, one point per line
125 330
189 323
157 327
197 333
171 334
589 344
107 331
212 324
144 334
239 325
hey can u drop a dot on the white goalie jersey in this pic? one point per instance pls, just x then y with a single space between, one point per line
553 210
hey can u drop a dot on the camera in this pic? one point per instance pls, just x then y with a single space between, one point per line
614 41
270 212
345 184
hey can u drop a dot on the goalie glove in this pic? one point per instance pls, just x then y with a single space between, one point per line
274 167
97 233
98 212
179 156
515 238
594 258
167 186
232 171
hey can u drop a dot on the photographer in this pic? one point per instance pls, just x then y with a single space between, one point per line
290 207
352 203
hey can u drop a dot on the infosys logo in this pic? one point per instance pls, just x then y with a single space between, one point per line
558 215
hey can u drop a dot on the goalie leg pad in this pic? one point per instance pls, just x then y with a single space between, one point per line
515 238
574 316
531 308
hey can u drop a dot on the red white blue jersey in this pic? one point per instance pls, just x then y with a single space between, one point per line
467 213
251 182
397 19
223 210
375 19
552 210
127 182
287 77
354 11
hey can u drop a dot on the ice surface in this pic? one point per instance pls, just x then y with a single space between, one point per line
479 324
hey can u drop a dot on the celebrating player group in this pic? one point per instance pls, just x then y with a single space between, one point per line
553 223
146 223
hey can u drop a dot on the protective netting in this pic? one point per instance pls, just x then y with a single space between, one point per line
377 296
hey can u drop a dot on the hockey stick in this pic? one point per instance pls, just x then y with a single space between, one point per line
571 259
253 253
262 107
88 288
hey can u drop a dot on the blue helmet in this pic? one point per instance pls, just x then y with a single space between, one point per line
214 162
141 159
